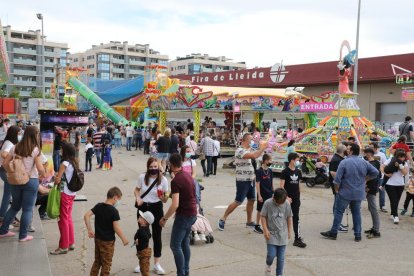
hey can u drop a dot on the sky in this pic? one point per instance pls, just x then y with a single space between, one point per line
260 33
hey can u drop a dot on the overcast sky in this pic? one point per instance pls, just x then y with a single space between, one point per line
259 32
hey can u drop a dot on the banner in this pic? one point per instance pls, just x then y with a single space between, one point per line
407 94
317 107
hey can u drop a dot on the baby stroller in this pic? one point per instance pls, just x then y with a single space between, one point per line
201 230
312 175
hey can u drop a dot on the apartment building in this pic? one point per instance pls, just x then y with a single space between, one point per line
198 64
26 61
117 61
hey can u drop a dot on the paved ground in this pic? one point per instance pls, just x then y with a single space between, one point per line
237 250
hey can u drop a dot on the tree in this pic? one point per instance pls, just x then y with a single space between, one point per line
15 93
36 94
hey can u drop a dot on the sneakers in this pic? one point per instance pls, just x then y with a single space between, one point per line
158 269
203 237
28 238
8 235
403 212
357 239
383 209
250 224
343 229
258 229
396 220
72 247
196 237
328 235
59 251
44 217
369 231
299 243
137 269
374 234
31 228
268 270
221 224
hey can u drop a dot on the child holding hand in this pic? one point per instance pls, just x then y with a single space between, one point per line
142 237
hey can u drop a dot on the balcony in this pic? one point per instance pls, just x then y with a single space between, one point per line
50 74
117 60
49 64
25 94
24 51
24 72
24 61
51 54
118 70
25 82
137 62
136 72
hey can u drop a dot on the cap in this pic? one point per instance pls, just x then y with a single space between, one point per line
148 216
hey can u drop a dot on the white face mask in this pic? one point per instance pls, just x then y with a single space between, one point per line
19 138
117 203
297 163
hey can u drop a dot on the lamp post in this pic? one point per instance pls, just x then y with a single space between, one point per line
355 88
40 17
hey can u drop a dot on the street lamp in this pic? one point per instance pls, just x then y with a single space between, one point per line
40 17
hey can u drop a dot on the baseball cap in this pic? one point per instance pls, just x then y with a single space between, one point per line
148 216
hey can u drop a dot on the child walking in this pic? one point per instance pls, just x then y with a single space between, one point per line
107 156
142 237
264 187
277 227
89 154
409 197
106 225
65 223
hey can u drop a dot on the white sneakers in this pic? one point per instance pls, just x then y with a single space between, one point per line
268 270
196 237
203 237
157 269
396 220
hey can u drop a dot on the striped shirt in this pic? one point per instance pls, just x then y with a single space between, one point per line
97 140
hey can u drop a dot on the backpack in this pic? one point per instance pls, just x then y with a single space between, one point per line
76 182
16 171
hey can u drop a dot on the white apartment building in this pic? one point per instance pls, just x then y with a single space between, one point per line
117 61
26 63
198 64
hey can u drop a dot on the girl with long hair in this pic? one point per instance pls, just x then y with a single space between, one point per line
24 196
9 141
65 223
153 202
189 165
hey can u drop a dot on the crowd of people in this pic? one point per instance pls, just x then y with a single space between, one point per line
173 155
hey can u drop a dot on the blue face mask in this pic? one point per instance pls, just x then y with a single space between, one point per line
187 155
117 203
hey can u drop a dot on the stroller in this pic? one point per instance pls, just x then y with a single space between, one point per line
201 229
312 175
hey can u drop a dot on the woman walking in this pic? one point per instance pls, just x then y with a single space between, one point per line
24 196
150 195
117 137
65 223
9 141
396 182
163 144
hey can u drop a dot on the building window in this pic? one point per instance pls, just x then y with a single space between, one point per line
75 60
103 57
163 62
194 69
90 57
104 76
181 67
90 66
103 66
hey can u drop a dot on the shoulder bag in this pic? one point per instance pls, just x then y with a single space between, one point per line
147 191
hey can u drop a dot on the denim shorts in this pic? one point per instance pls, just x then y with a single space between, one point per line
245 189
162 156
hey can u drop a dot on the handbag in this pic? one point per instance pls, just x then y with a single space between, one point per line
147 191
53 202
195 156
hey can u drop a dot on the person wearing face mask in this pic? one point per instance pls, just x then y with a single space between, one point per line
290 148
289 180
189 165
106 225
150 194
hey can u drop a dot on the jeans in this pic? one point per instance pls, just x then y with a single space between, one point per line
65 223
147 146
341 205
24 197
118 143
128 143
372 207
277 251
5 202
138 142
56 160
214 167
394 194
334 204
209 170
382 196
88 162
98 156
180 243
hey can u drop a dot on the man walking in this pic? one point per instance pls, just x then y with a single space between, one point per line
184 206
350 187
245 180
129 134
207 146
407 129
97 144
147 136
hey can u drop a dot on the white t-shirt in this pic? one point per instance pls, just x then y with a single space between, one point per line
7 146
216 150
88 146
129 131
152 196
69 174
382 160
397 178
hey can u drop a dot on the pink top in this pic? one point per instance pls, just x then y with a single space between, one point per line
29 162
188 166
